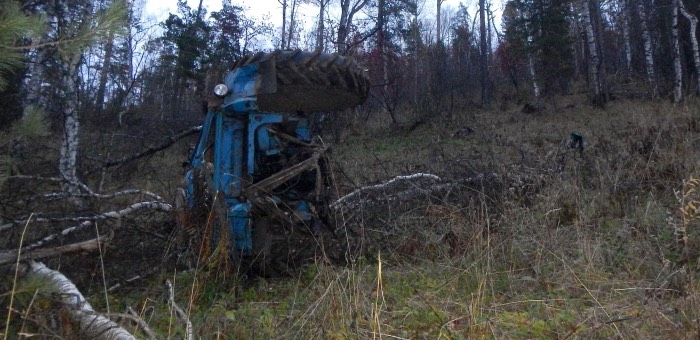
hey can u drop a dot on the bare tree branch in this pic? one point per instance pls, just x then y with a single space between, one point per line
154 205
171 140
133 279
135 318
63 232
87 221
392 191
9 256
178 311
91 194
343 200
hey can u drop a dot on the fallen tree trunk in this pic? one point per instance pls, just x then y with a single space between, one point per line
92 325
154 205
91 194
392 190
10 256
63 232
348 199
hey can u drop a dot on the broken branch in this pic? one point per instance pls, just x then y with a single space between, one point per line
349 197
91 194
155 205
178 311
11 255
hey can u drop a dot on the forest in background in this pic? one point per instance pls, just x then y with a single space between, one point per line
100 108
135 68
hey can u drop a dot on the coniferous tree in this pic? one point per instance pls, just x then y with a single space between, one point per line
16 29
538 31
186 44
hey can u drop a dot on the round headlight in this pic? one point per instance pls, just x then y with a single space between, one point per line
221 90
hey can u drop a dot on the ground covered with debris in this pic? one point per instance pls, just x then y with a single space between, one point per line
485 224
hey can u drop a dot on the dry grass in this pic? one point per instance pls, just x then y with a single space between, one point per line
576 246
564 245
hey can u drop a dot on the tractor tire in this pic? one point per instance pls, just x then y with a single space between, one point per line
311 82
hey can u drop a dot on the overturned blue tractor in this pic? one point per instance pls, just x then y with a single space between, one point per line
257 184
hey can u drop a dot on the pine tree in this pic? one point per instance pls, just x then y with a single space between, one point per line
538 31
15 28
185 49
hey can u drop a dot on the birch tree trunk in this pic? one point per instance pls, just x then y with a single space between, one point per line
648 52
531 66
92 325
67 164
485 100
677 70
68 66
533 74
626 35
593 62
694 40
72 28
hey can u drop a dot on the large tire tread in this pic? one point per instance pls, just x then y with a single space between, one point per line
312 81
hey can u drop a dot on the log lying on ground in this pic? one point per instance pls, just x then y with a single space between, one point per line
153 205
348 199
91 194
391 190
63 232
86 192
92 325
10 256
87 221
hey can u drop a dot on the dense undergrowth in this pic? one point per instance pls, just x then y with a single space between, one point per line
535 239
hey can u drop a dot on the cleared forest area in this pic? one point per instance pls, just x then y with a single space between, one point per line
519 234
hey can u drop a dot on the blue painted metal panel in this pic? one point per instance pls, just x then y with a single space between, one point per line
198 154
197 157
268 144
228 159
236 158
189 182
241 230
302 130
254 123
303 211
243 83
222 153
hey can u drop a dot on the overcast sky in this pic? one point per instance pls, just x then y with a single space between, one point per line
258 8
272 8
